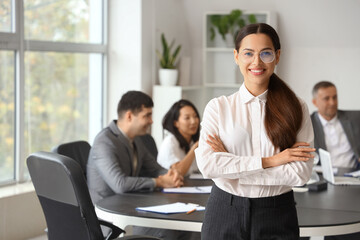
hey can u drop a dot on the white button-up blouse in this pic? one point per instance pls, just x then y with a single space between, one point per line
170 153
238 120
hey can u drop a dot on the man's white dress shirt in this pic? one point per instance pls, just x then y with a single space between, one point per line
238 119
170 153
337 143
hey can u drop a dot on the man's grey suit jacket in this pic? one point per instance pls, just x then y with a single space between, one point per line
350 121
109 167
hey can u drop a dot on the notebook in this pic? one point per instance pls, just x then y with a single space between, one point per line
328 172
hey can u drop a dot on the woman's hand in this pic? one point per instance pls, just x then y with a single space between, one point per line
184 165
215 143
196 144
300 151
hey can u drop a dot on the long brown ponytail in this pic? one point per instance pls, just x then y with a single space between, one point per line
283 111
283 114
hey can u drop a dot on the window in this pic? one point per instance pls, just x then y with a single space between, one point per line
63 20
5 16
7 113
51 77
57 87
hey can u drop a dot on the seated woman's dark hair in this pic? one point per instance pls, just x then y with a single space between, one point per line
173 115
283 111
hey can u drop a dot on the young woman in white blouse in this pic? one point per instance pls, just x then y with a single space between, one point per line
182 126
255 144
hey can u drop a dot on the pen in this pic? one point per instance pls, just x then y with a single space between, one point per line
191 211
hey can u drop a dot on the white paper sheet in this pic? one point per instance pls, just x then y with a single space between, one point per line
196 176
178 207
198 189
318 169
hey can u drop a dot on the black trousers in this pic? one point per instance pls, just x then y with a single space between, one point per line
238 218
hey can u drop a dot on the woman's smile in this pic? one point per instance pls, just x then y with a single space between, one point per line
257 71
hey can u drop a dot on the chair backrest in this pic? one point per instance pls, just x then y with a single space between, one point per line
64 196
150 144
78 150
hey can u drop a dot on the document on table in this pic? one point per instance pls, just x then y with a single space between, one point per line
318 169
353 174
300 189
177 207
196 176
197 189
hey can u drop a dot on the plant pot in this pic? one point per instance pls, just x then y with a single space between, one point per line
168 77
229 40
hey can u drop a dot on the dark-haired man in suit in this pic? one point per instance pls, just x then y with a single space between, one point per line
118 161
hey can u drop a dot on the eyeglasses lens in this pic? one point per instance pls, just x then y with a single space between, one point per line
267 56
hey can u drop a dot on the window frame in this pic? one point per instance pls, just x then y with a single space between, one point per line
15 41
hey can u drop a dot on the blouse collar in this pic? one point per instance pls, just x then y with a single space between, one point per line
247 97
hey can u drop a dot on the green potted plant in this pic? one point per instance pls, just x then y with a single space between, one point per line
168 73
228 25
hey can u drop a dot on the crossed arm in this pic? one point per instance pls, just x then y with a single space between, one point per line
300 151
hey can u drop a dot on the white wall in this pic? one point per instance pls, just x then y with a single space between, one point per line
319 39
130 48
21 216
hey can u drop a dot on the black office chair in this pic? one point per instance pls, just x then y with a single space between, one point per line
150 144
64 197
78 150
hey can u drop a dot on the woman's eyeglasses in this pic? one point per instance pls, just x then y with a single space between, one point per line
248 56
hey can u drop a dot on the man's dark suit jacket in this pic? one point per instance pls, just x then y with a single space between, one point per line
350 121
109 167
